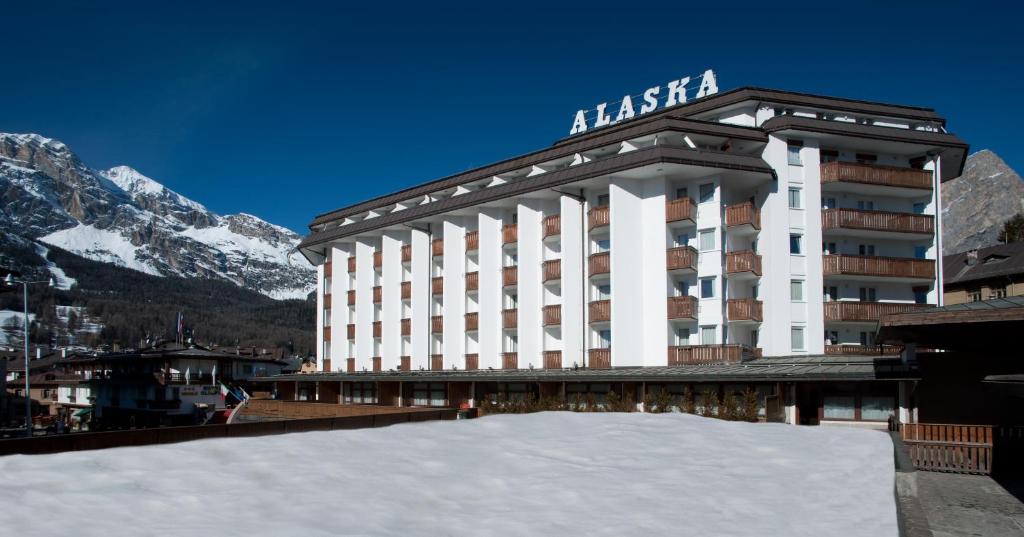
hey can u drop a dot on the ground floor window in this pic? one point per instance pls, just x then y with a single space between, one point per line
877 407
360 393
428 394
840 407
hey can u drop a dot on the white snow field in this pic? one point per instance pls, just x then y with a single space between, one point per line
549 474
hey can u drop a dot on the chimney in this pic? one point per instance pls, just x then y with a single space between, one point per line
972 257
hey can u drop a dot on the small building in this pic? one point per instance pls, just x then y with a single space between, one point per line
983 274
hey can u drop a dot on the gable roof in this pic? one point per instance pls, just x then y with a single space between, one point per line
993 262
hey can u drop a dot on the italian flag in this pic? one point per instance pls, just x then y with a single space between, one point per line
224 391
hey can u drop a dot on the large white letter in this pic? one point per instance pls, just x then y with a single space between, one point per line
602 117
579 124
650 100
677 91
708 84
626 110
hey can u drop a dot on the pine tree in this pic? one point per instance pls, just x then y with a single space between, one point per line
1013 229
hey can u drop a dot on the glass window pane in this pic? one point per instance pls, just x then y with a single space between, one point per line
795 244
877 407
794 198
793 152
839 407
796 290
707 288
707 240
707 192
707 335
797 338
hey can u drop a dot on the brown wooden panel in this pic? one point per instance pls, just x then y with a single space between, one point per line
552 359
352 264
437 285
600 311
598 217
742 261
406 290
552 315
845 310
509 360
509 276
405 363
877 221
350 365
351 297
376 363
472 240
437 247
872 174
377 293
599 263
406 327
406 253
376 328
350 330
743 214
437 324
377 259
328 269
436 362
552 270
680 209
552 225
509 318
472 362
472 321
681 258
894 267
599 358
327 334
509 233
472 281
707 354
682 307
744 309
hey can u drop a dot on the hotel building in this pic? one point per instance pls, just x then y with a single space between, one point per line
749 227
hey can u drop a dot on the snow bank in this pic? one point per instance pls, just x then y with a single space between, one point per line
556 473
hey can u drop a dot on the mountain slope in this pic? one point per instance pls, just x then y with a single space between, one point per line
975 205
122 217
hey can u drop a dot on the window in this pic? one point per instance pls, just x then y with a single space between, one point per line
511 343
830 293
828 248
877 407
840 407
796 290
919 208
511 259
973 295
793 152
828 155
682 336
796 244
828 203
707 192
707 239
681 193
921 295
920 252
997 292
682 239
831 337
604 339
796 338
604 291
868 294
708 335
794 198
602 200
866 158
754 335
327 317
867 339
602 245
866 205
866 249
428 394
511 301
682 288
707 287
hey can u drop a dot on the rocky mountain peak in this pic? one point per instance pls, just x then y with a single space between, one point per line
975 205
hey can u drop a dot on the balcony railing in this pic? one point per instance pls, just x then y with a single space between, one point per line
509 233
406 253
405 363
599 263
878 221
744 309
680 209
472 241
598 217
437 247
437 324
552 359
890 267
377 294
552 225
350 365
472 321
509 360
681 258
327 301
599 358
472 281
352 264
509 318
743 214
743 261
328 269
552 315
682 307
406 290
851 311
350 331
376 328
376 363
327 333
552 270
871 174
436 362
406 327
708 354
437 285
864 350
509 276
352 297
472 361
600 311
377 259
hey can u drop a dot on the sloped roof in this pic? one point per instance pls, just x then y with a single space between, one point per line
993 262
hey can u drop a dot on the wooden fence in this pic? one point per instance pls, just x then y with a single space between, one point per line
965 449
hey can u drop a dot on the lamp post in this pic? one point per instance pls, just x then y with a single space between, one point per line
11 282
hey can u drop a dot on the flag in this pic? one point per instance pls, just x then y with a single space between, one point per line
214 383
188 373
224 391
181 328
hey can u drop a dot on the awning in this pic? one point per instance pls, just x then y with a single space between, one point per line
82 412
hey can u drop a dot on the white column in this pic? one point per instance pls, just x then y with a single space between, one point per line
814 340
454 274
573 280
935 296
339 306
529 281
711 263
773 244
653 269
490 328
627 302
420 300
364 302
320 318
391 299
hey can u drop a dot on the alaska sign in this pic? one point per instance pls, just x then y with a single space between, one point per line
675 94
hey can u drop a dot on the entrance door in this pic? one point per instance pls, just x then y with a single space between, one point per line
808 399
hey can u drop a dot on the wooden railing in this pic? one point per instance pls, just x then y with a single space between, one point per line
326 365
743 309
406 253
406 327
377 294
599 263
352 297
472 361
680 209
871 174
437 324
376 363
436 362
598 217
437 247
742 214
600 311
743 261
328 269
965 449
327 333
472 321
681 258
864 350
552 225
893 267
406 291
350 365
509 233
552 270
509 276
599 358
327 301
350 331
405 363
682 307
866 311
472 241
552 315
352 264
472 281
377 259
376 328
437 285
708 354
509 360
877 221
509 318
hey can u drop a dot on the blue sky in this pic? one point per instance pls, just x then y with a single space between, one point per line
289 110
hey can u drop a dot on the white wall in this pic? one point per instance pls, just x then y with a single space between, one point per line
529 285
573 280
364 302
490 280
391 298
419 325
454 274
339 305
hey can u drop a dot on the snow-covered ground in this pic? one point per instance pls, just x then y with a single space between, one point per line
554 473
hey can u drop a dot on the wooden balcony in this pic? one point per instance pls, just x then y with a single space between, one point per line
509 360
352 264
352 297
509 233
472 321
708 354
864 350
857 312
377 259
743 215
599 263
600 311
406 327
744 309
509 318
437 285
328 269
376 328
552 359
405 363
871 174
350 365
599 358
437 247
552 225
327 365
881 267
406 253
877 221
681 258
509 276
327 301
437 324
472 281
472 362
680 210
376 364
377 292
552 315
472 241
552 270
327 333
598 217
682 307
350 331
406 290
436 362
743 262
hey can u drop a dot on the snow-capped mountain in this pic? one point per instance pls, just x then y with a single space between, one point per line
120 216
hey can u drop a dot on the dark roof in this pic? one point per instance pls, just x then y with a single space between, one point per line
786 368
170 351
993 262
971 326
